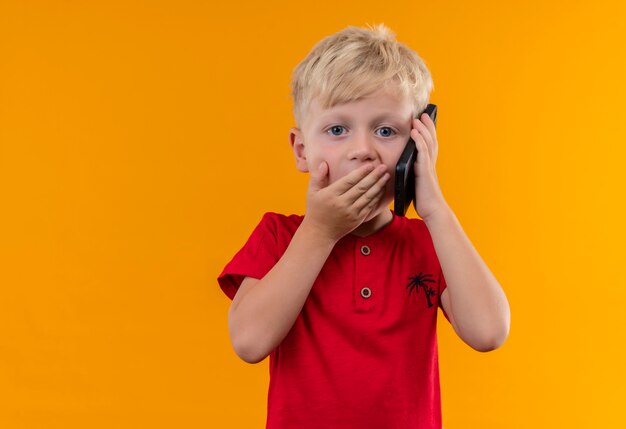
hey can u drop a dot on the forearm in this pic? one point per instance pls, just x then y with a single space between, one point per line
477 302
266 313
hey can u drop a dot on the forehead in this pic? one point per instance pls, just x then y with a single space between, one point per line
382 103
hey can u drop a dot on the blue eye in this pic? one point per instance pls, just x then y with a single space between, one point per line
336 130
388 131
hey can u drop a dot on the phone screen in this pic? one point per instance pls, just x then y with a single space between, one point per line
404 192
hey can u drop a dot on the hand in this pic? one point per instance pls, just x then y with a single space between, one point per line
336 210
428 196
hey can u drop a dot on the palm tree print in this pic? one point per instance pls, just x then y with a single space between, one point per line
420 281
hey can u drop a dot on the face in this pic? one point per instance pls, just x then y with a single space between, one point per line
372 130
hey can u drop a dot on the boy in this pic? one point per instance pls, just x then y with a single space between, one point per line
344 299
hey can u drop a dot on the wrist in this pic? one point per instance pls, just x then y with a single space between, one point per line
442 213
314 234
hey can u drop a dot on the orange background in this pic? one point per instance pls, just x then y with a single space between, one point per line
141 142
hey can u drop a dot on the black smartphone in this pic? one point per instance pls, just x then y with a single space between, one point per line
405 175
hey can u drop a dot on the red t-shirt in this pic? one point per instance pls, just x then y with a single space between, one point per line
363 351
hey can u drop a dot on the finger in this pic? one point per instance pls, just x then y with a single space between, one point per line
426 127
373 194
367 210
319 177
423 152
347 182
430 124
425 132
372 205
417 137
364 184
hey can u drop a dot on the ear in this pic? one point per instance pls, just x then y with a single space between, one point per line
296 140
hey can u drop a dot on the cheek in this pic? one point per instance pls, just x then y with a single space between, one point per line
334 173
315 162
391 183
316 157
390 187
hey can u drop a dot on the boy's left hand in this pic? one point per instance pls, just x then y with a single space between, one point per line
428 196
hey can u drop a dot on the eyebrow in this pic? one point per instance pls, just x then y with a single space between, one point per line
346 118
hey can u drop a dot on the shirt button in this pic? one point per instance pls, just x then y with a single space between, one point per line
366 292
365 250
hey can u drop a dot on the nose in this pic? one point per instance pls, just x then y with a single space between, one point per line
362 148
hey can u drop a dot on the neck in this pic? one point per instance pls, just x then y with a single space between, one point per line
378 222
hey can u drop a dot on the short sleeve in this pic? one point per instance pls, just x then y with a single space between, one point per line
255 259
442 287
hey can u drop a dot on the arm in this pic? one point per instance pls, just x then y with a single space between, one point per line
475 302
263 311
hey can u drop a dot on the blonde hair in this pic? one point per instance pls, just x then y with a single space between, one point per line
354 63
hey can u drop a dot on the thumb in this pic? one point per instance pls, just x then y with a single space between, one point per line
319 178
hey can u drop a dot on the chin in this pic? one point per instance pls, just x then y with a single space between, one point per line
382 206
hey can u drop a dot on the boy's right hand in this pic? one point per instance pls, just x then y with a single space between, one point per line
336 210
